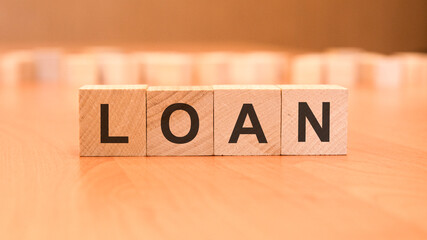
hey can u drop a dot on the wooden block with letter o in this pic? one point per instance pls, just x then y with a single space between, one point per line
179 121
314 120
247 120
112 120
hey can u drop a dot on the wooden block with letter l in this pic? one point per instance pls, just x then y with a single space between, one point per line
314 120
247 120
112 120
179 121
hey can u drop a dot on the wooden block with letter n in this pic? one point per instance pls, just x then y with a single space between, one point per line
112 120
247 120
179 121
314 120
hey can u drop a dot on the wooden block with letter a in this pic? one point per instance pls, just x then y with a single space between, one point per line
112 120
246 120
179 121
314 120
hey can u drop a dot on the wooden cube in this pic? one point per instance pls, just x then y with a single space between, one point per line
16 67
314 120
342 66
48 64
388 73
257 67
179 121
112 120
412 68
308 69
368 68
163 68
80 69
246 120
114 68
213 68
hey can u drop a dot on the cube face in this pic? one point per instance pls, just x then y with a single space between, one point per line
179 121
305 128
112 120
239 113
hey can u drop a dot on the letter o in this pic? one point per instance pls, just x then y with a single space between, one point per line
194 128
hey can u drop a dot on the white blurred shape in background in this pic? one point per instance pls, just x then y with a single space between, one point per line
368 68
113 68
16 66
342 66
163 68
80 69
213 68
424 71
48 64
388 72
413 65
307 69
347 67
137 67
257 68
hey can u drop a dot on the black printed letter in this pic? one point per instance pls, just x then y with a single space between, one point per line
194 123
105 138
247 110
305 112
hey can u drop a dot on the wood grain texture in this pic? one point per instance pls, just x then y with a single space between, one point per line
127 118
229 101
314 96
200 99
377 191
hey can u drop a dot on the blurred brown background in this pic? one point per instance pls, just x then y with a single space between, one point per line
376 25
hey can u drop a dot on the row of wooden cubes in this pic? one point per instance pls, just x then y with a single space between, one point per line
136 120
346 67
112 66
353 67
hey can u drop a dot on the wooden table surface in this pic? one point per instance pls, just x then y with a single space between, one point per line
379 190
